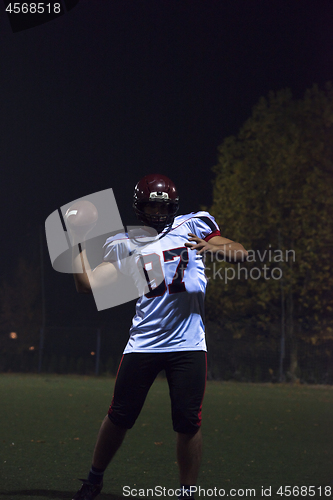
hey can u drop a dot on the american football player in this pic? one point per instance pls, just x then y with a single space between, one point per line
167 331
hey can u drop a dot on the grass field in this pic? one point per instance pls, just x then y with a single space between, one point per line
255 436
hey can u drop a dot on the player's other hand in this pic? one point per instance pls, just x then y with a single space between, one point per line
201 246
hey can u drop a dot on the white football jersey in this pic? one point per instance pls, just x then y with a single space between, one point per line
170 316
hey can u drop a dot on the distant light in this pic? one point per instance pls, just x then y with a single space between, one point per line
13 335
92 353
32 348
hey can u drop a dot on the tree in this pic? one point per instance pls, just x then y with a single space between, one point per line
273 192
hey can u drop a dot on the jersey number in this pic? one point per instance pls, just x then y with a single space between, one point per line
153 272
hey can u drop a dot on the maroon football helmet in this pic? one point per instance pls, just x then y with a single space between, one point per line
156 201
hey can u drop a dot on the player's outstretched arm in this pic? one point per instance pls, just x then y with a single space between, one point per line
86 278
220 247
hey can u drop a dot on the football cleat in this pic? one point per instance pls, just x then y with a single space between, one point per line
88 491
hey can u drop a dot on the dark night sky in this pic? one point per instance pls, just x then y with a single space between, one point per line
113 90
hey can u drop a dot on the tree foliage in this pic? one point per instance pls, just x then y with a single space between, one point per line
273 192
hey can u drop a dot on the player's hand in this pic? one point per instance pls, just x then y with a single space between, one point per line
80 233
201 246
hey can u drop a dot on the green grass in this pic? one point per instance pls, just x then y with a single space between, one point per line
254 436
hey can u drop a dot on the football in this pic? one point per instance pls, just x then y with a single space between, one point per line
81 215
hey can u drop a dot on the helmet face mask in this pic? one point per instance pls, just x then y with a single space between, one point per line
156 201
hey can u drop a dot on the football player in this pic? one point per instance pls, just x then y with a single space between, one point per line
167 331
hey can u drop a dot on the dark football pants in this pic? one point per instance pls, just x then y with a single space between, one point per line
186 373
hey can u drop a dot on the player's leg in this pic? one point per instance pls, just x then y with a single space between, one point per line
189 452
135 376
109 440
186 373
